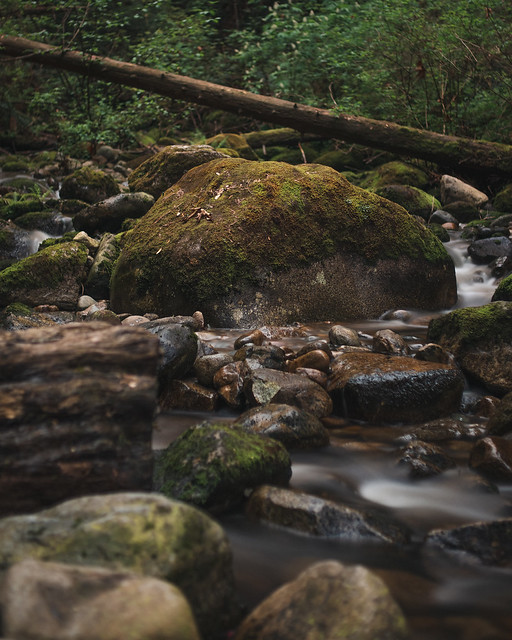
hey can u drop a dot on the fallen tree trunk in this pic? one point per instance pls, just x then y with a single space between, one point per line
466 154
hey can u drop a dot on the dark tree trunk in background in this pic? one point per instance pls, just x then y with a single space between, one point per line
463 153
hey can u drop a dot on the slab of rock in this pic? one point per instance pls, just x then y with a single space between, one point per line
77 403
480 338
294 427
109 214
139 532
455 190
376 387
316 516
328 600
52 601
269 385
213 465
54 275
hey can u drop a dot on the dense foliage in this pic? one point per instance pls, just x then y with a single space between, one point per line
432 64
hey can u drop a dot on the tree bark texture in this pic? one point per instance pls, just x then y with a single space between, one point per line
458 153
77 404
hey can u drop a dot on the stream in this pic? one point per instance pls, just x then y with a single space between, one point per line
441 599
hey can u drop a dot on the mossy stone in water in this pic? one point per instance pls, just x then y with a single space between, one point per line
395 172
503 290
416 201
89 185
266 242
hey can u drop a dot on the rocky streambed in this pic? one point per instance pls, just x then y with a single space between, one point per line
164 476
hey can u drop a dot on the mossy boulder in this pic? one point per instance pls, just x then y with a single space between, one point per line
503 290
503 200
109 214
395 172
147 534
89 185
212 465
97 284
253 243
50 276
51 222
416 201
234 142
481 340
161 171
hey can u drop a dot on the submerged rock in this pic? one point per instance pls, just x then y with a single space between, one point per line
328 600
212 465
140 532
44 600
480 338
229 238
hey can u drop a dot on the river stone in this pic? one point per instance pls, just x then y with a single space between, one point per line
482 542
188 395
156 174
98 280
492 457
269 385
314 359
487 249
424 460
377 387
295 428
229 238
500 422
455 190
77 403
316 516
48 600
89 185
212 465
444 429
51 276
339 335
17 317
390 342
416 201
109 214
480 338
229 382
140 532
328 600
205 367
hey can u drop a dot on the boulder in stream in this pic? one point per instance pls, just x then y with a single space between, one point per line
88 184
109 214
266 242
328 600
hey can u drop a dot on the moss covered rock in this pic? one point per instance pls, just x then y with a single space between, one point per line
414 200
503 200
503 290
89 185
51 276
253 243
234 142
212 465
144 533
395 172
109 214
481 340
161 171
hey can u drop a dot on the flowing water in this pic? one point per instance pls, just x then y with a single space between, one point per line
441 598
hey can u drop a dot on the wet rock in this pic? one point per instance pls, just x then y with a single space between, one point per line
295 428
51 222
177 256
454 190
503 290
480 338
328 600
161 171
17 317
424 460
434 353
89 185
50 276
444 429
463 211
229 382
500 423
376 387
339 335
139 532
482 542
92 244
483 251
316 516
486 407
315 359
109 214
206 367
178 344
98 280
268 385
442 217
103 315
501 267
314 345
84 302
188 395
268 356
313 374
387 341
213 465
45 600
492 457
256 337
77 403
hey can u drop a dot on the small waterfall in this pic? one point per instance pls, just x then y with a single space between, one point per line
475 284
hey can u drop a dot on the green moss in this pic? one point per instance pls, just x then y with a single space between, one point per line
51 242
12 209
18 309
440 232
395 172
504 290
464 326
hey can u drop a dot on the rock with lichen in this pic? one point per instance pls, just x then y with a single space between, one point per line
254 243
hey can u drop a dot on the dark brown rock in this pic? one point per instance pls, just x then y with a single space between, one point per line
188 395
492 457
